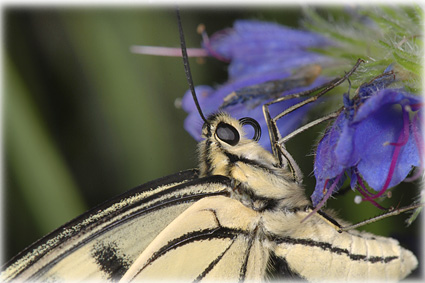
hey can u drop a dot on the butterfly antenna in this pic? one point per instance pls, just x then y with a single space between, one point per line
186 65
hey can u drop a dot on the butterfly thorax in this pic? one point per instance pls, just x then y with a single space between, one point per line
257 179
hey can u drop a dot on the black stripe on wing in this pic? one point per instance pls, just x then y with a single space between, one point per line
332 249
213 263
195 236
278 269
110 260
242 272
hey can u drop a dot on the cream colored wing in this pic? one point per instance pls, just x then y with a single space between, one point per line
317 252
104 242
217 238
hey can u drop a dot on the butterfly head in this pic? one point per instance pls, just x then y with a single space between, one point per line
228 130
227 142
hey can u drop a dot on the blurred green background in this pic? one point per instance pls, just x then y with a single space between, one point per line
86 120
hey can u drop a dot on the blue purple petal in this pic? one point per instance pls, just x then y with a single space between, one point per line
365 141
255 47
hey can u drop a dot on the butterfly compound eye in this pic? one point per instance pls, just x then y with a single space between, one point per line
228 134
254 124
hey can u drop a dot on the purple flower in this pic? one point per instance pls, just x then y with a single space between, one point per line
255 47
259 53
377 138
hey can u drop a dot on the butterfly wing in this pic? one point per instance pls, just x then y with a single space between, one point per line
104 242
219 238
215 239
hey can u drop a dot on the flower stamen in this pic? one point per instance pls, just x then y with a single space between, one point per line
325 198
402 140
361 188
167 51
207 44
324 186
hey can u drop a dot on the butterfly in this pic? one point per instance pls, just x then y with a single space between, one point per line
237 217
